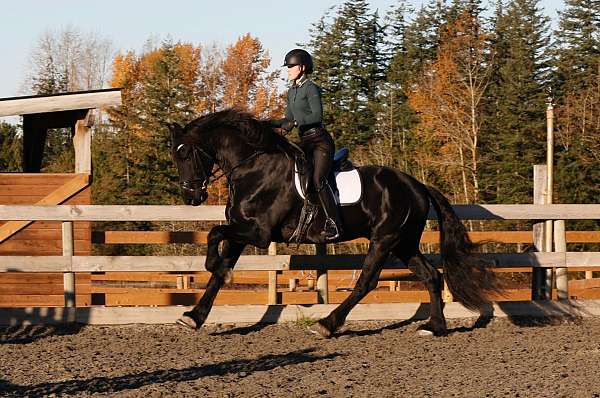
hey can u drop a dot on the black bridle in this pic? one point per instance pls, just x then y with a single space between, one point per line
204 180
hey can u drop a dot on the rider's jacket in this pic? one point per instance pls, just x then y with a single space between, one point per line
304 105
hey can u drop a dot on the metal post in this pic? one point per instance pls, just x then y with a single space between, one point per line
68 277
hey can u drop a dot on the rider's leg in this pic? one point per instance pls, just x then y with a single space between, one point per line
322 158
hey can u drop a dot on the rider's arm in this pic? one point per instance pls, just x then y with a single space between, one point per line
289 117
313 94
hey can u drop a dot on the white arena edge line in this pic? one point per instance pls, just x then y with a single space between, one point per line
286 313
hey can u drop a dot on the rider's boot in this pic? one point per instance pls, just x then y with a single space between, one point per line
333 225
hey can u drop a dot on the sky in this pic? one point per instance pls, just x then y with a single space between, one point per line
128 24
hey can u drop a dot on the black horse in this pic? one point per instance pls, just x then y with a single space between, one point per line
263 207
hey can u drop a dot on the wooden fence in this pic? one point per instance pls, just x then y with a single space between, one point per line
69 263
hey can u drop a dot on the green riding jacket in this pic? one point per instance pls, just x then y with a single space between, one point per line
304 105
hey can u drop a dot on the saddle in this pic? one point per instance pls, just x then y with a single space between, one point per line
342 171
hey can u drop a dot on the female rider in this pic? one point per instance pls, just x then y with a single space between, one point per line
305 111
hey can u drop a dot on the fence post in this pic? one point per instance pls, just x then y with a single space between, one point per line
560 245
68 277
272 292
322 281
541 278
589 274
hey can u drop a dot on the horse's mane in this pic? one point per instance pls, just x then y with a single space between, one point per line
256 133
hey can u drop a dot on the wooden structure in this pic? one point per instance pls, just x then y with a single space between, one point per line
74 111
274 263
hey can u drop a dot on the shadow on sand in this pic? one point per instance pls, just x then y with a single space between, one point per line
98 385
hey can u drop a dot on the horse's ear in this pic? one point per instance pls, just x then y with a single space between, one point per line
174 128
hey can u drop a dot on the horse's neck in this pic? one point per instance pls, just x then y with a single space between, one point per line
252 159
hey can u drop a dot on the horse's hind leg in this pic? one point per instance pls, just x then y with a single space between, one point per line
196 317
433 280
369 277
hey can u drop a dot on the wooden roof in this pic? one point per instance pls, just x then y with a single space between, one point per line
60 102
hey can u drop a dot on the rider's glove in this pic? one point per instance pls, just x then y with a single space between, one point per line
288 125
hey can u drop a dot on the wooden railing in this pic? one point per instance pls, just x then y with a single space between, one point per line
68 263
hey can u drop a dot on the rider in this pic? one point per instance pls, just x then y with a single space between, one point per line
305 111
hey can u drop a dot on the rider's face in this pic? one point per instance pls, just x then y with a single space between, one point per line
294 71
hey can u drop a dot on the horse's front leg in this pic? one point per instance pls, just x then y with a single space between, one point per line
220 266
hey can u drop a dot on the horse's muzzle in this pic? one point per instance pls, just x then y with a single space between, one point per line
194 195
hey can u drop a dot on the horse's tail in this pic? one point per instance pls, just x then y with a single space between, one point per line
468 276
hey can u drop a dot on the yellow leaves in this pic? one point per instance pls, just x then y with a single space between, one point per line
447 95
246 83
125 69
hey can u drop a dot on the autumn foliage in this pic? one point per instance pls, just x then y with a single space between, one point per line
447 96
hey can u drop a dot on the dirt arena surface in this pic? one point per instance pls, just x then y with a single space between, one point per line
505 358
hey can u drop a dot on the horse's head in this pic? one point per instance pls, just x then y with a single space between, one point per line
194 166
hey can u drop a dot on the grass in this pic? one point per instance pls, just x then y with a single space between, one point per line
305 321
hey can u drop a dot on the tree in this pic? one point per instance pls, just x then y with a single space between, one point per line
576 86
68 60
210 84
448 97
159 86
10 148
577 47
246 83
515 107
65 61
348 67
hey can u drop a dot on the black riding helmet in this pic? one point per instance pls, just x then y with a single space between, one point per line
299 56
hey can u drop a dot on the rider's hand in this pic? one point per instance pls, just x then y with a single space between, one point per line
288 125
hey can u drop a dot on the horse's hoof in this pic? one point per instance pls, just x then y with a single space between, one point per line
424 333
320 330
187 322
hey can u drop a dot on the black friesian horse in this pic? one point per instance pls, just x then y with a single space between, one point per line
263 207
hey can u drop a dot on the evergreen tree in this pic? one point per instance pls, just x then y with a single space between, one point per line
10 148
577 47
515 125
576 85
348 69
329 72
395 117
167 94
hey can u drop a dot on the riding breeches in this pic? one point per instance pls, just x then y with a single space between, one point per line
320 148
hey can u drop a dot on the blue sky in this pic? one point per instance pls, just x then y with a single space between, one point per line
129 24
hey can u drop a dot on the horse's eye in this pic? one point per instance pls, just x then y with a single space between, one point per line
183 151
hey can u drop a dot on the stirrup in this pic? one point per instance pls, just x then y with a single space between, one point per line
330 230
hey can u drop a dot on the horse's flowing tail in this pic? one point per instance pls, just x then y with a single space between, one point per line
468 276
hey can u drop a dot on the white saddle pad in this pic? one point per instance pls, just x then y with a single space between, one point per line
348 183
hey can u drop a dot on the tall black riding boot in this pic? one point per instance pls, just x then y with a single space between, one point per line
333 224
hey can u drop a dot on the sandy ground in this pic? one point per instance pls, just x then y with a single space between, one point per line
505 358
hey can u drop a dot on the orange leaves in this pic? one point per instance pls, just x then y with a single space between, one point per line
447 97
246 83
125 69
238 77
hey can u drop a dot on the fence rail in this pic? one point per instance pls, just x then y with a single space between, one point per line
217 213
269 262
68 263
